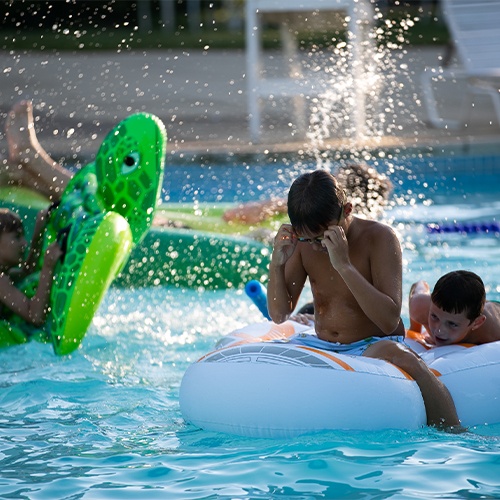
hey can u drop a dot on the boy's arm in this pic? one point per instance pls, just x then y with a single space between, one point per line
380 299
419 305
286 275
34 310
36 242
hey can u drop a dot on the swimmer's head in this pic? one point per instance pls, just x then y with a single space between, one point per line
460 292
315 200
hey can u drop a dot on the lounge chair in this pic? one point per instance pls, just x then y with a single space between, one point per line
475 31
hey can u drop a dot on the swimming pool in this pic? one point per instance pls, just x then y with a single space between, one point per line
105 421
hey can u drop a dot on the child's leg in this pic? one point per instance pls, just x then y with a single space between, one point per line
29 164
439 405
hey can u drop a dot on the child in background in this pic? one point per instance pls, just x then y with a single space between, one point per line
368 190
456 311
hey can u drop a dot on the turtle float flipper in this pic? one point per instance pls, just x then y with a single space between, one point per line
129 170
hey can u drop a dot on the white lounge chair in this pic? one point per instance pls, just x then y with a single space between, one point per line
360 17
475 30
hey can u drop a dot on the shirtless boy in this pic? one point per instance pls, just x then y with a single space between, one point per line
354 267
456 311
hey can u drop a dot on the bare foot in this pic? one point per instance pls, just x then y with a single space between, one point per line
29 163
19 122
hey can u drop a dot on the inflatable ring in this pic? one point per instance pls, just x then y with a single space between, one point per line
258 384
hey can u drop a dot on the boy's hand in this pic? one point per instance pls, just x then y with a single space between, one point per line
43 215
303 319
338 248
284 244
420 287
52 254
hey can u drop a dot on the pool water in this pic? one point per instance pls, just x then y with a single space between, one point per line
105 421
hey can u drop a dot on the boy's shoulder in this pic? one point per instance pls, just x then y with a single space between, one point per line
492 311
374 228
489 331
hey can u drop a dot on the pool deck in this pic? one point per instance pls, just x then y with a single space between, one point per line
202 98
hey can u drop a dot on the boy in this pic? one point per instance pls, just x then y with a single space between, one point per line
355 270
13 268
455 312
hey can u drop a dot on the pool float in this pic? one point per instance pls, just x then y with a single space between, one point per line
257 384
209 217
257 293
106 209
195 257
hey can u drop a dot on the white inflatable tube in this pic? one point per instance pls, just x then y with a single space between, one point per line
256 384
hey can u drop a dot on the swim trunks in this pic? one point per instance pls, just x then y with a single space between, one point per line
355 348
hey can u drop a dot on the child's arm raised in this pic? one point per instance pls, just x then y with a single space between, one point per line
286 275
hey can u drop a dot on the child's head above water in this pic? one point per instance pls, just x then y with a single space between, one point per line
315 201
368 190
460 292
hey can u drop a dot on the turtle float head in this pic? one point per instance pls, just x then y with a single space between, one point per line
129 170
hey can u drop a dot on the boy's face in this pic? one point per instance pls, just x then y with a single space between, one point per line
448 328
12 247
316 239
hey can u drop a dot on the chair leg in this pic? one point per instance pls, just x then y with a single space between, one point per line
495 96
430 102
486 87
253 67
290 50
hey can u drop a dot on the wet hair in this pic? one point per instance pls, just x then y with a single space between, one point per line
315 200
368 189
10 222
460 291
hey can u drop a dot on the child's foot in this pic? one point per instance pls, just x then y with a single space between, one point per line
20 132
29 164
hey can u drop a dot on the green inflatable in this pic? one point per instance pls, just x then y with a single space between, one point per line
105 211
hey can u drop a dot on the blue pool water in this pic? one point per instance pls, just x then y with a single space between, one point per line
105 421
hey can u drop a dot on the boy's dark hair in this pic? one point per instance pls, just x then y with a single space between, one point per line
460 291
315 200
9 221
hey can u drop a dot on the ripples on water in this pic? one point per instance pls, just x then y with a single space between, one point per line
105 421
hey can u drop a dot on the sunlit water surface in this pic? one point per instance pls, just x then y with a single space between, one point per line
105 421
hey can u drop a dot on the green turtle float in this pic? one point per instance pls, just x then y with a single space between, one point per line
106 210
